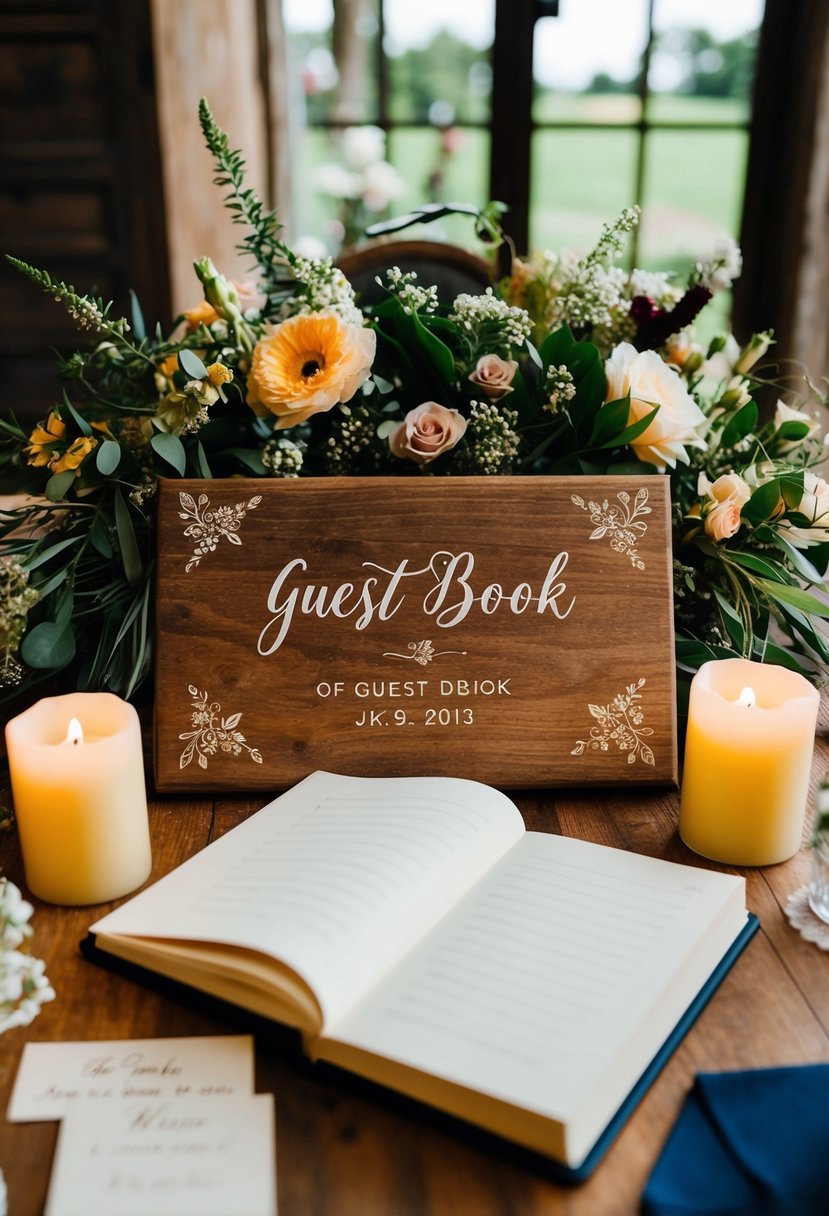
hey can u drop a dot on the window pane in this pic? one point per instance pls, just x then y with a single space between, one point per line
580 180
586 61
704 54
694 183
332 53
439 69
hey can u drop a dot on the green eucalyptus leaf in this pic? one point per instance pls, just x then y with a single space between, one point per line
387 427
170 449
81 423
768 652
99 539
803 601
759 565
58 484
138 326
108 457
799 560
130 555
191 364
532 351
48 645
47 554
250 458
201 460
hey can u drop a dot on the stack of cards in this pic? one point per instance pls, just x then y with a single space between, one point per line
168 1126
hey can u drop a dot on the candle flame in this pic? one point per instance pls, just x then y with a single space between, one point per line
748 698
74 733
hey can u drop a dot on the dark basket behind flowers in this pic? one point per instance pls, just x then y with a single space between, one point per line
570 366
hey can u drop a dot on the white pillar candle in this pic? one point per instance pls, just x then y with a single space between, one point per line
79 797
748 755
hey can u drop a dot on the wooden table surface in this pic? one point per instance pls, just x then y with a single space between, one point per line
342 1155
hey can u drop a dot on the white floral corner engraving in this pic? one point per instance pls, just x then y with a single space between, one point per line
619 724
211 524
421 652
212 733
621 523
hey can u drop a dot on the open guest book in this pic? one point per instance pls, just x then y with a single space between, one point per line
418 936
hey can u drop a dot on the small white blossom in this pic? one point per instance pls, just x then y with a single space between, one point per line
723 267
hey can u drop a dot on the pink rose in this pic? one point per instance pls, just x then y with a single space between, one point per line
427 432
494 375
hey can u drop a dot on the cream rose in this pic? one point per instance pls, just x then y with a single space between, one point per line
652 382
427 432
494 375
726 498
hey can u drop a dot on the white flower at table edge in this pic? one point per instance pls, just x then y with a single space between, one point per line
24 986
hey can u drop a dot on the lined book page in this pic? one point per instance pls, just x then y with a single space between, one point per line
337 879
538 983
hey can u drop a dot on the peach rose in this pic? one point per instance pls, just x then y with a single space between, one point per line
652 382
726 497
494 375
427 432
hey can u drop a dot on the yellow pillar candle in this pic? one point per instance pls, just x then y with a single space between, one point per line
748 754
79 797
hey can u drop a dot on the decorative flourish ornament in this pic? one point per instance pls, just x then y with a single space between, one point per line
619 724
422 653
211 524
213 733
621 524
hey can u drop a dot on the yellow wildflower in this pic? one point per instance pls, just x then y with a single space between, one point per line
41 447
218 374
169 366
74 454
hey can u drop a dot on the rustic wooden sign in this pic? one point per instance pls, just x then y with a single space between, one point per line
515 630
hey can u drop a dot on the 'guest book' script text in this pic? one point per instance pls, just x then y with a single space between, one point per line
448 601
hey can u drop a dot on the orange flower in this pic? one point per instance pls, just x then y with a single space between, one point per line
202 314
308 364
169 366
72 457
41 448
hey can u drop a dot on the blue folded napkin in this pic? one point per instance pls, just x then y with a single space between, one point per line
750 1143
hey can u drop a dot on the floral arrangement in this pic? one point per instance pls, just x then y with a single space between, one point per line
23 984
570 366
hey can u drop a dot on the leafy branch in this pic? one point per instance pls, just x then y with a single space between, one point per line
262 242
88 312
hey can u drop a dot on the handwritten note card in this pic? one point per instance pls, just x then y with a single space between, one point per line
53 1077
171 1158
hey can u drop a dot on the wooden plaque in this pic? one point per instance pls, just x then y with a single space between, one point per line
515 630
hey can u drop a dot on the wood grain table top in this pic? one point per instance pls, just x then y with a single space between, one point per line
339 1154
